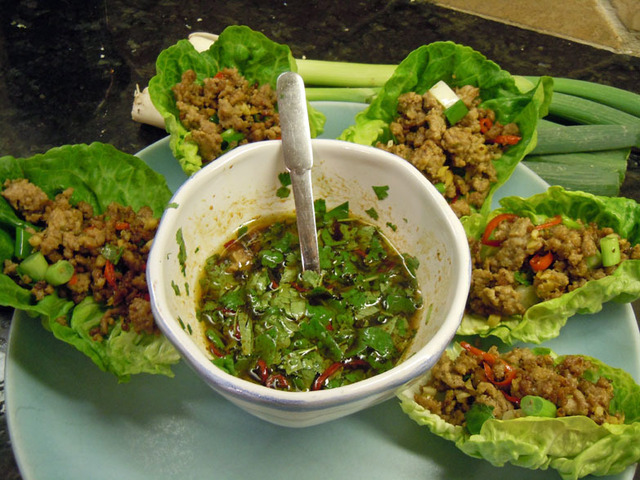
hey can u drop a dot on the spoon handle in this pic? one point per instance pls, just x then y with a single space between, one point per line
298 158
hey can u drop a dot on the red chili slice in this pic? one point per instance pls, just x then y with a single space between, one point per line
485 124
322 378
110 274
492 225
263 371
557 220
541 262
276 380
507 139
213 349
508 378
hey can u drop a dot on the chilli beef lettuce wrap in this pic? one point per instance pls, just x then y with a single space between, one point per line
538 261
225 96
458 117
531 408
76 225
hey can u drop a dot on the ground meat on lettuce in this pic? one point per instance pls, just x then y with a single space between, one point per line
459 158
74 233
225 102
503 283
572 385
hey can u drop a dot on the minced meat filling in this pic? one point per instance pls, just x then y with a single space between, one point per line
458 158
74 233
225 111
506 280
573 385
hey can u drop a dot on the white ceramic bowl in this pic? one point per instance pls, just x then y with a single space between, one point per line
241 186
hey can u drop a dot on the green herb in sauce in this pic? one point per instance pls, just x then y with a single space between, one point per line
269 322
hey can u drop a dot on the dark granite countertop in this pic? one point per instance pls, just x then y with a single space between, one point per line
68 69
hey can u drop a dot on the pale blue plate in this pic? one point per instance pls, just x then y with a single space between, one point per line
68 420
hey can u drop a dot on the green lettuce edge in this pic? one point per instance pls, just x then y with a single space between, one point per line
573 446
459 65
544 320
100 174
256 57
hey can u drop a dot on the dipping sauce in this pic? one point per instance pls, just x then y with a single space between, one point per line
269 322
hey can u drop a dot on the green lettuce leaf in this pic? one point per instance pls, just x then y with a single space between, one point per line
99 174
256 57
574 446
458 65
544 320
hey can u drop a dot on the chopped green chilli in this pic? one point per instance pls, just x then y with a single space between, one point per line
269 322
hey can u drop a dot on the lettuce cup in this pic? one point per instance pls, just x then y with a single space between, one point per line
458 117
76 225
531 408
540 260
215 100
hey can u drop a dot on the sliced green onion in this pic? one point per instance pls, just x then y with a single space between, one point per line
454 107
230 135
610 250
22 245
535 406
594 261
34 266
59 273
440 186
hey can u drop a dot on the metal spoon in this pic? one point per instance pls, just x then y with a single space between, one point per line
298 158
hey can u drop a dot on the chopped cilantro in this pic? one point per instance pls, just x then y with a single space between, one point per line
381 192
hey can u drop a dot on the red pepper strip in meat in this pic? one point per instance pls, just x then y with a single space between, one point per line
122 226
507 139
110 274
322 378
557 220
492 225
511 398
541 262
510 374
485 124
490 360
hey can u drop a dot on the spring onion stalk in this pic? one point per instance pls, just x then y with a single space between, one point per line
535 406
324 73
341 94
600 173
618 98
584 138
610 250
59 273
34 266
583 111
